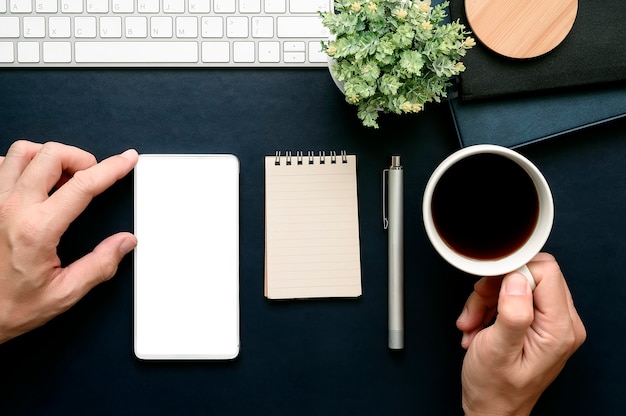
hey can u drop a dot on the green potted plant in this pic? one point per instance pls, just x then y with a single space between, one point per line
393 55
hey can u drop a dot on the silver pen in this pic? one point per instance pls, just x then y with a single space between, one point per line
393 222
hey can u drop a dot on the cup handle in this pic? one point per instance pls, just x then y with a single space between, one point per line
528 275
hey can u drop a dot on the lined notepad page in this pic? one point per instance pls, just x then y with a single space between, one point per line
312 247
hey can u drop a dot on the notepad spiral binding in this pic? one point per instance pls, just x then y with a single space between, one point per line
311 157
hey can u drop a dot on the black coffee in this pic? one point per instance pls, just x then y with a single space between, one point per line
485 206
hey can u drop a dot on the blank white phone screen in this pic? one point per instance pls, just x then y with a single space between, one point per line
186 288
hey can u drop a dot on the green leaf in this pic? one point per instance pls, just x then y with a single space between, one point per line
370 72
389 84
367 44
368 115
411 62
403 37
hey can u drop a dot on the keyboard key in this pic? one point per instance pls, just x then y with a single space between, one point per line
243 52
199 6
275 6
269 52
72 6
28 52
294 47
59 27
216 52
122 6
301 27
161 27
44 6
6 52
20 6
85 27
262 27
34 27
148 6
250 6
173 6
316 54
9 27
224 6
111 27
3 6
57 52
136 52
97 6
237 27
308 6
187 27
212 27
136 27
294 57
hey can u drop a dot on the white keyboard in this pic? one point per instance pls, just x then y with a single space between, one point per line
122 33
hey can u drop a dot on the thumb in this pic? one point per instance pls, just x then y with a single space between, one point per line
96 267
515 315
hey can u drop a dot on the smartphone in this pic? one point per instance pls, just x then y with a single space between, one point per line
186 271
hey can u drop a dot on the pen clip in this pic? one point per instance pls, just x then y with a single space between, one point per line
385 219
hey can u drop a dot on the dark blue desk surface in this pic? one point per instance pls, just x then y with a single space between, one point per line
310 357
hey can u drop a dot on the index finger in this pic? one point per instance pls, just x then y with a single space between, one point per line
47 167
71 199
552 295
480 305
17 158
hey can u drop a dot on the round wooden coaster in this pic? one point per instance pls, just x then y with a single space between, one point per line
521 28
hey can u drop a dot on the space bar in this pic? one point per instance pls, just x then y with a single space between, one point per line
136 52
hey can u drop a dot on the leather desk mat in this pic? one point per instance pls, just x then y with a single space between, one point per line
305 357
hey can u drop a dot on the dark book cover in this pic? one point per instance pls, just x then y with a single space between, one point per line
513 122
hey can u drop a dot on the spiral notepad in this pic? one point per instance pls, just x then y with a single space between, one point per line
312 247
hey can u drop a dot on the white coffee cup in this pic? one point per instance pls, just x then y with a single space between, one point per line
519 257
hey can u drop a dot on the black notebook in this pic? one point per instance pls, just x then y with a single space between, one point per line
513 122
593 53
